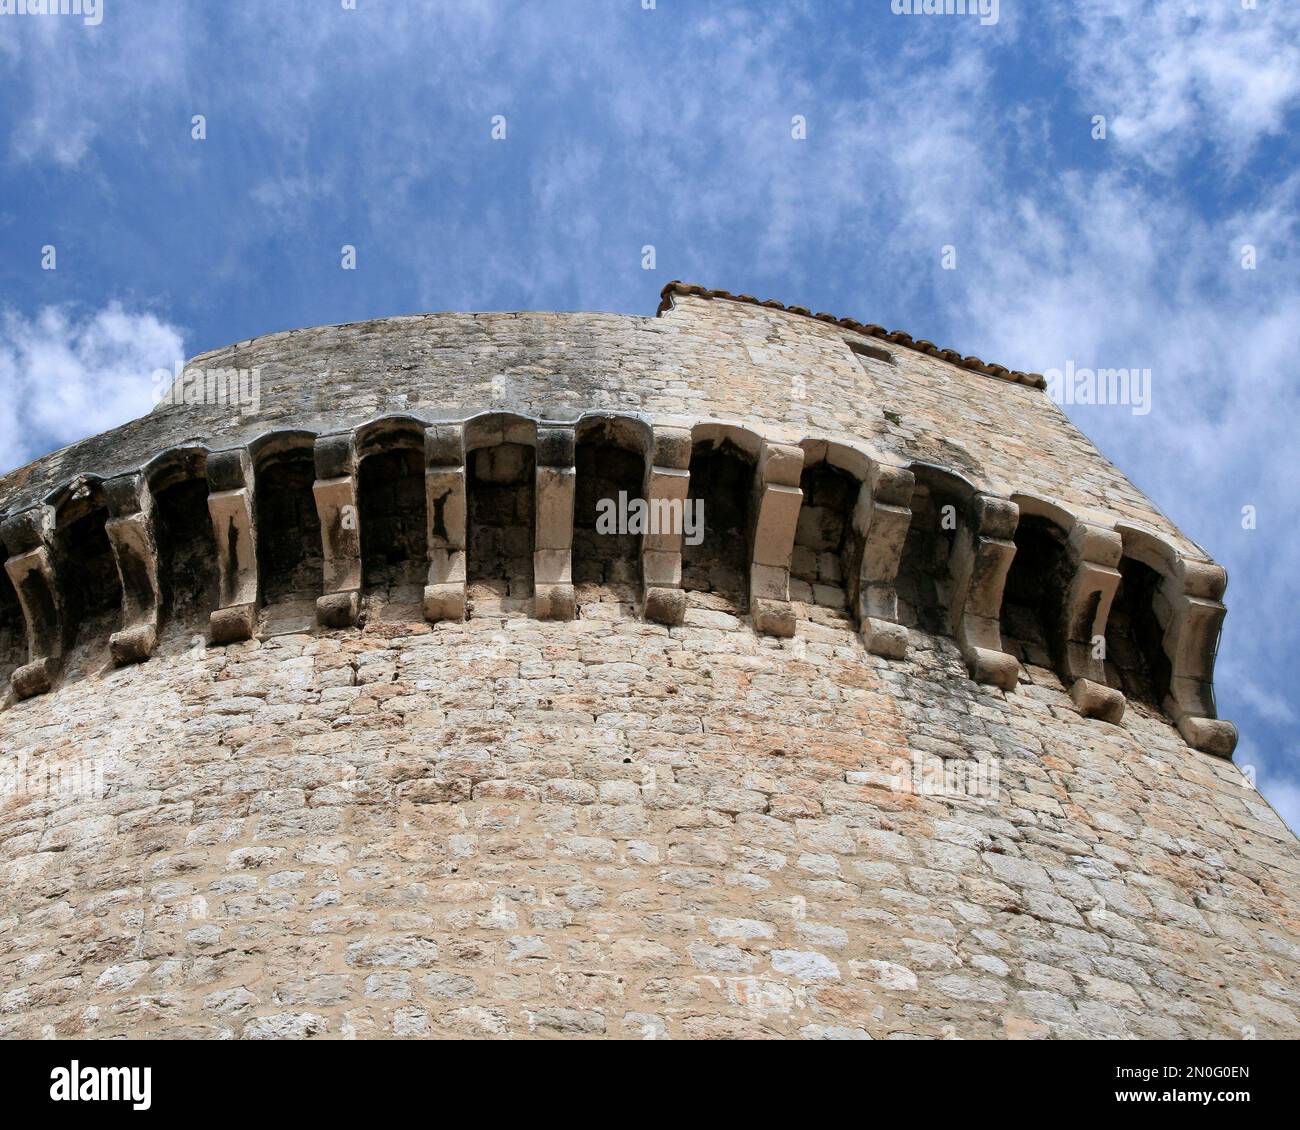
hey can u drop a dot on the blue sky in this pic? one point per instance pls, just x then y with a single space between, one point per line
672 127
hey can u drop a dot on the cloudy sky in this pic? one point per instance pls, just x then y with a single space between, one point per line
671 125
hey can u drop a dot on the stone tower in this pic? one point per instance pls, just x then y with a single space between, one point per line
344 710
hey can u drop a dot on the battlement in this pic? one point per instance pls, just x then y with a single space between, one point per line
403 516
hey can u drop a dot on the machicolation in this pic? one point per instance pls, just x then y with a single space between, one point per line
396 738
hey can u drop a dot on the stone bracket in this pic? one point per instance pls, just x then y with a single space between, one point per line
881 519
130 530
446 499
31 568
1093 553
1191 641
776 518
335 492
553 597
667 481
981 556
230 504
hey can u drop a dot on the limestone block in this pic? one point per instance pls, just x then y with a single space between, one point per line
338 609
444 601
884 638
553 601
774 529
1095 700
662 570
773 617
780 464
234 623
446 501
665 605
340 523
133 645
555 489
667 489
34 678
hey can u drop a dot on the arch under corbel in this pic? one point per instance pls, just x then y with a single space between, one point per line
613 456
506 479
1189 609
1079 601
878 523
979 557
392 509
727 490
187 562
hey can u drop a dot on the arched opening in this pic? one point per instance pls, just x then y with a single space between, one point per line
187 555
13 631
394 536
610 478
827 553
1136 662
290 558
1034 592
722 483
501 505
88 580
924 581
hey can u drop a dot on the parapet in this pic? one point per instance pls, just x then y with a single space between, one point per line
435 466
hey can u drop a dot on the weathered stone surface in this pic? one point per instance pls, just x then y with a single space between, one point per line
643 818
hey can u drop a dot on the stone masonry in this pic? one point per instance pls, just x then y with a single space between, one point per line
343 718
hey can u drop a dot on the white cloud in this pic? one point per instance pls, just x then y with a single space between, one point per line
79 82
1173 77
65 375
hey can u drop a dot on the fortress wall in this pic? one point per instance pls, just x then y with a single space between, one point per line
607 827
347 719
771 369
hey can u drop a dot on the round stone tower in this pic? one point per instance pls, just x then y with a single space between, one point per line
734 672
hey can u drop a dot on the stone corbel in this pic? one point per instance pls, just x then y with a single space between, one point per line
553 597
667 483
335 491
130 529
1190 607
1093 553
444 479
881 519
27 536
978 564
230 503
776 519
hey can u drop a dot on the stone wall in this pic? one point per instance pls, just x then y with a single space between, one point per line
608 827
348 719
783 374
